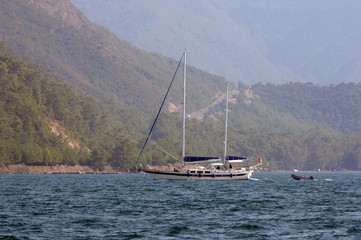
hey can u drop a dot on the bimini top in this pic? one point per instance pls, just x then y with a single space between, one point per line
235 159
195 159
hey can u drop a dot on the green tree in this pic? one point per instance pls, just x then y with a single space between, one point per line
99 157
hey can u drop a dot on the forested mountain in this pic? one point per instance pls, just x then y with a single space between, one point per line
300 107
335 106
252 41
56 35
44 121
91 98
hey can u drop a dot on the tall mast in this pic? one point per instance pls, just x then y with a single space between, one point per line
184 105
226 129
159 111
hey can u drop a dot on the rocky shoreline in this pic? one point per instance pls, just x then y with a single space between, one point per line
58 169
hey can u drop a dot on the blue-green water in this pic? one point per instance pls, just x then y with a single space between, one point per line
132 206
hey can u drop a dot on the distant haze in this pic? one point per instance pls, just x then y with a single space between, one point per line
250 40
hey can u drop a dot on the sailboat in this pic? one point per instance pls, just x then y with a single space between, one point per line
206 168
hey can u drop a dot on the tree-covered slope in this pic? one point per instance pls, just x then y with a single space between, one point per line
297 107
89 119
56 35
44 121
336 106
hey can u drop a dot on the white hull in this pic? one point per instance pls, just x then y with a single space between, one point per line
212 176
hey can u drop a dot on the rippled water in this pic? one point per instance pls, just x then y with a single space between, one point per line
132 206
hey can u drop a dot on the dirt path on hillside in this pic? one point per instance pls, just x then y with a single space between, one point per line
199 114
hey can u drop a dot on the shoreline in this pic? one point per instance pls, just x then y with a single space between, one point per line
57 169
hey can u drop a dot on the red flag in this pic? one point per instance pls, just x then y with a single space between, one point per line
259 160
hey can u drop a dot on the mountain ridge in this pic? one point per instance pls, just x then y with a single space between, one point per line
113 90
91 57
249 41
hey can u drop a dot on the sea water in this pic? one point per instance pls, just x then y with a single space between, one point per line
132 206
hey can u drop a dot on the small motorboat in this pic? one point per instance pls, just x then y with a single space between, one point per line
301 178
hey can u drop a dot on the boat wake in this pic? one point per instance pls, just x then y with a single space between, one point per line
254 179
329 179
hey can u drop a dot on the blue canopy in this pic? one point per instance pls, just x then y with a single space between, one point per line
200 159
235 158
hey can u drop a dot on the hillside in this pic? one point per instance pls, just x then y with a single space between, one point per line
90 100
298 107
335 106
250 41
56 35
44 121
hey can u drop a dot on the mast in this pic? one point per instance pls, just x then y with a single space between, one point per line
184 105
160 109
226 129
